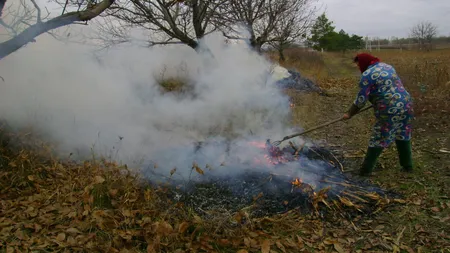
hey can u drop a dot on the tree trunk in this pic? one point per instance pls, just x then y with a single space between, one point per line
201 49
193 44
281 54
28 35
256 44
2 5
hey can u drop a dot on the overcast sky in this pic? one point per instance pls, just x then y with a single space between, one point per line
386 18
373 18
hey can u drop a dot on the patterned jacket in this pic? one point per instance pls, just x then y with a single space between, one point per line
382 87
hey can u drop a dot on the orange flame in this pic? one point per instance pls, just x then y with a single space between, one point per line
297 182
257 144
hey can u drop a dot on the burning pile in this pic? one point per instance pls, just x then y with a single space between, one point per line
298 82
305 178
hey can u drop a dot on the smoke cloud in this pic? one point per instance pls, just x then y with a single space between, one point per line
111 103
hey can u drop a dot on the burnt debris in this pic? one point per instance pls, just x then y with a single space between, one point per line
298 82
307 179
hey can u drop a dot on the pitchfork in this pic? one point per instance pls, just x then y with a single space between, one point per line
276 143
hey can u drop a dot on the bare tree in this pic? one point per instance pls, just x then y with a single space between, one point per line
293 26
168 21
23 30
262 18
423 33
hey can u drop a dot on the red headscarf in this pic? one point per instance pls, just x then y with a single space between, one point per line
365 60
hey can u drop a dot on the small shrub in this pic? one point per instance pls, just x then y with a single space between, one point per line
172 84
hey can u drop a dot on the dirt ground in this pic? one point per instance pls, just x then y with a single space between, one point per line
49 205
423 223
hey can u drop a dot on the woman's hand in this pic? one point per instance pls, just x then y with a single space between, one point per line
346 116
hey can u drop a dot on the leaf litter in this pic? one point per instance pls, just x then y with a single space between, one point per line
99 206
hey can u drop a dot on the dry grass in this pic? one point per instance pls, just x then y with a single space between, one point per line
51 205
308 63
172 84
175 81
426 76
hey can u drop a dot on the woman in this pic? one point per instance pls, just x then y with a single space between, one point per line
382 87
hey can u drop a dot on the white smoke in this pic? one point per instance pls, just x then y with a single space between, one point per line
85 101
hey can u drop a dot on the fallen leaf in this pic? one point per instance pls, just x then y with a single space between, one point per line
401 201
163 228
329 241
197 219
61 237
98 180
253 234
265 246
280 246
197 168
113 192
445 219
242 251
126 213
72 214
183 227
289 243
379 227
150 248
71 240
338 248
73 231
247 242
199 171
37 228
435 209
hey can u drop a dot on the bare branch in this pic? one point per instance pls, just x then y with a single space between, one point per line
37 29
65 7
423 32
267 21
177 20
39 20
153 43
8 27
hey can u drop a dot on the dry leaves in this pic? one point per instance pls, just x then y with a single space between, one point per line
198 169
265 246
98 180
55 211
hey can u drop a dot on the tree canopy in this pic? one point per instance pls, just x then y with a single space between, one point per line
323 36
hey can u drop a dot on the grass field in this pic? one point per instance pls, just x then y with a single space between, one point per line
54 206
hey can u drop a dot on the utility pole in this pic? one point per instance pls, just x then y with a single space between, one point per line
378 44
368 43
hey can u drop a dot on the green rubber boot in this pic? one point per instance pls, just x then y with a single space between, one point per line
404 150
370 161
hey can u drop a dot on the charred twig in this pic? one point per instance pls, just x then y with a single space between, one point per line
341 167
354 196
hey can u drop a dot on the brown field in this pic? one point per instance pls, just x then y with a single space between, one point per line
53 206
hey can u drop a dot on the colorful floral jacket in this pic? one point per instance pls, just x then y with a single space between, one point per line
382 87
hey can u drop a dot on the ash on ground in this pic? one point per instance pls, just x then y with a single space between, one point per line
261 192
